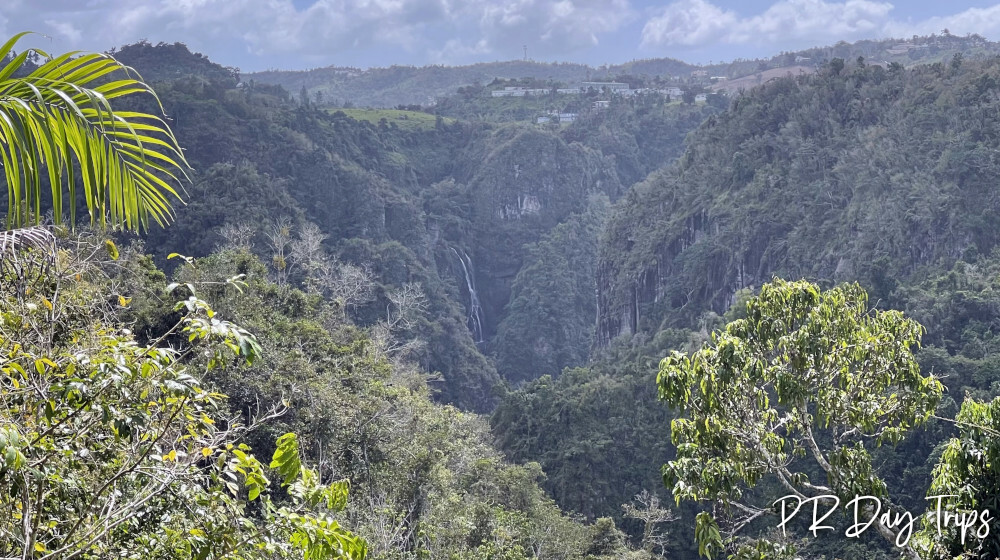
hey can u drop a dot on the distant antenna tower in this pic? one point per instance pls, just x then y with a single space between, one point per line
525 53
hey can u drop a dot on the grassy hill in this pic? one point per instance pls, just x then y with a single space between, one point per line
406 120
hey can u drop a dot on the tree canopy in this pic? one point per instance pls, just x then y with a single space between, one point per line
799 390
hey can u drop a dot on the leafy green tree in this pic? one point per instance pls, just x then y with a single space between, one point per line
57 125
798 391
605 539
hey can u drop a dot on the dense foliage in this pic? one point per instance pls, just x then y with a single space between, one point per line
859 172
424 477
110 448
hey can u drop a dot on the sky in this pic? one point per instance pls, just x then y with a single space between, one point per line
300 34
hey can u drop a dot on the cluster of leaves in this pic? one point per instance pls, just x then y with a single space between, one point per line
58 124
967 477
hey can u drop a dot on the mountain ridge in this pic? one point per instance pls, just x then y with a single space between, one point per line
423 85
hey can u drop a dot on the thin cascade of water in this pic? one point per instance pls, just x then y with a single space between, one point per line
475 315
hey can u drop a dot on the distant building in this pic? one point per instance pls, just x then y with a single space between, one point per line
556 117
519 91
569 91
602 104
700 98
610 86
699 73
674 91
509 92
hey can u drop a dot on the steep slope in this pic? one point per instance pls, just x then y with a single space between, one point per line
449 204
855 173
259 160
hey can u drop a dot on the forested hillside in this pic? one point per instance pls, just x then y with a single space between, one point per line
409 85
137 405
857 173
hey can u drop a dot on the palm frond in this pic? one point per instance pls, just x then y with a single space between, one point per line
58 123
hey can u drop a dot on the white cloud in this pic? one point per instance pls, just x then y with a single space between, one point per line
261 33
546 27
454 49
447 30
65 29
689 24
698 22
564 24
983 21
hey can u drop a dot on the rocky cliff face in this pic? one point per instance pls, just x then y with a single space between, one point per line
631 297
530 181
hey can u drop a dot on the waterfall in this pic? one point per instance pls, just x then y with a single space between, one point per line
475 316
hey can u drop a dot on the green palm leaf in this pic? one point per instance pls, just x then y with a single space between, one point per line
57 123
